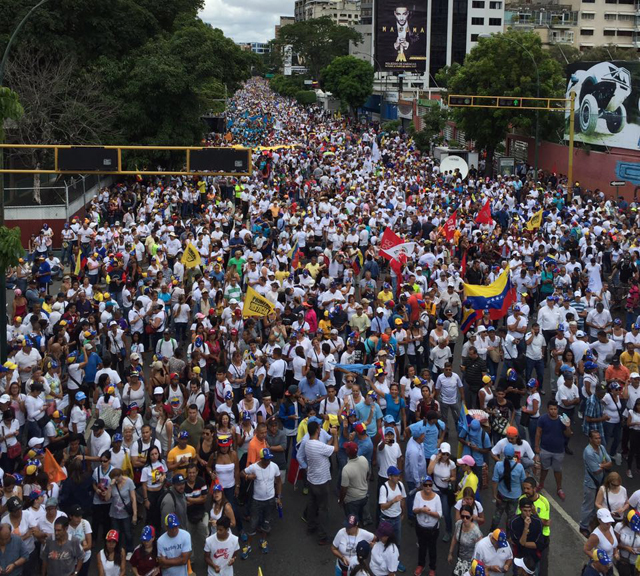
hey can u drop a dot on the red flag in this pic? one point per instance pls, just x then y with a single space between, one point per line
484 216
389 240
450 226
52 468
463 264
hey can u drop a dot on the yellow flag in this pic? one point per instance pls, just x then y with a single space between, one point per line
536 221
256 305
78 263
191 256
127 467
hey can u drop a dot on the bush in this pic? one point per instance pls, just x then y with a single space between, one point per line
391 126
287 85
306 97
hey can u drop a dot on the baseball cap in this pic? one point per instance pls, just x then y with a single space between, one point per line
445 448
360 428
468 460
172 521
98 424
266 454
14 504
113 535
393 471
226 440
512 431
183 435
500 537
148 534
51 502
351 448
80 396
179 479
33 442
634 520
519 562
117 437
351 521
158 390
599 555
477 568
75 510
605 516
634 375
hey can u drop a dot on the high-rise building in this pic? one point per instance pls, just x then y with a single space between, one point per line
284 21
342 12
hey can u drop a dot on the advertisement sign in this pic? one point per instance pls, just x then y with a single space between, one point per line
401 35
287 58
607 103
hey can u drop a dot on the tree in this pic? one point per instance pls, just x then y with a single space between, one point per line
349 79
502 66
318 41
433 123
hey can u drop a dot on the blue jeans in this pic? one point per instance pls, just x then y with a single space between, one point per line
538 366
446 509
533 425
410 498
123 525
612 433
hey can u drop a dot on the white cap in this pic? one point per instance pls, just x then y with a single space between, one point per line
379 310
233 301
519 562
135 356
35 442
633 375
603 514
158 390
580 334
481 329
5 398
445 448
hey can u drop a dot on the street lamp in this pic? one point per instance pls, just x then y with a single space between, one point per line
535 65
3 284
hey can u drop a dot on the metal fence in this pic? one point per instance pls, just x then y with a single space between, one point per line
55 192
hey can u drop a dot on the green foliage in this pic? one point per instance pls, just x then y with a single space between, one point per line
306 97
511 54
391 126
433 123
157 64
349 79
318 41
444 75
10 107
287 85
10 247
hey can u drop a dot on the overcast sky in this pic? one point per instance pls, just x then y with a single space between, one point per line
246 20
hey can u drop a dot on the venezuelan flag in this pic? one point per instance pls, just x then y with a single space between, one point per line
358 262
464 420
469 316
497 297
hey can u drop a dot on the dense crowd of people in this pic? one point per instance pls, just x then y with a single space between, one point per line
142 390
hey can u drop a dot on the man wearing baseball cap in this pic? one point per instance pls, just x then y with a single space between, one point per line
181 454
355 482
174 501
267 490
174 548
495 553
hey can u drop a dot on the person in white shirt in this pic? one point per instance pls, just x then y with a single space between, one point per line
535 353
317 455
221 549
494 551
267 489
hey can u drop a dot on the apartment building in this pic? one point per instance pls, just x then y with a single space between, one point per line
342 12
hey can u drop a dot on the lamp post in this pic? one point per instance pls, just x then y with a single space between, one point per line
3 284
535 65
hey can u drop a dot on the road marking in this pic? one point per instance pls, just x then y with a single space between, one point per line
565 516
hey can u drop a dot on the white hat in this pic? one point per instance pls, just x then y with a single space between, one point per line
519 562
633 375
481 329
233 301
603 514
5 398
580 334
135 356
379 310
35 442
158 390
445 448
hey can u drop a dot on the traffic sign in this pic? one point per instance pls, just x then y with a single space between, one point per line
618 182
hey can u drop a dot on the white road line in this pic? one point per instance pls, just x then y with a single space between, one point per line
565 516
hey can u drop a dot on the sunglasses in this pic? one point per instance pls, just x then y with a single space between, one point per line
430 484
466 517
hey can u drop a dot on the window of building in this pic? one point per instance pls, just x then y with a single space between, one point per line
609 16
625 1
608 32
586 32
474 37
626 17
626 33
495 21
589 1
588 16
477 4
477 21
495 5
610 1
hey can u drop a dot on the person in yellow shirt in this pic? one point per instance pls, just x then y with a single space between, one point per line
469 478
386 293
181 455
630 359
325 325
313 267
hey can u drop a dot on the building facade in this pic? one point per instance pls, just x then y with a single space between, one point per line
342 12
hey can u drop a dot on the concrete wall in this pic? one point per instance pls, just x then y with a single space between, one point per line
592 169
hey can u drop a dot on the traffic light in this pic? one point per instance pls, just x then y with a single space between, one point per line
459 100
509 102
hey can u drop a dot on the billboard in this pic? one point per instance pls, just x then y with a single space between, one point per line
401 35
607 103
